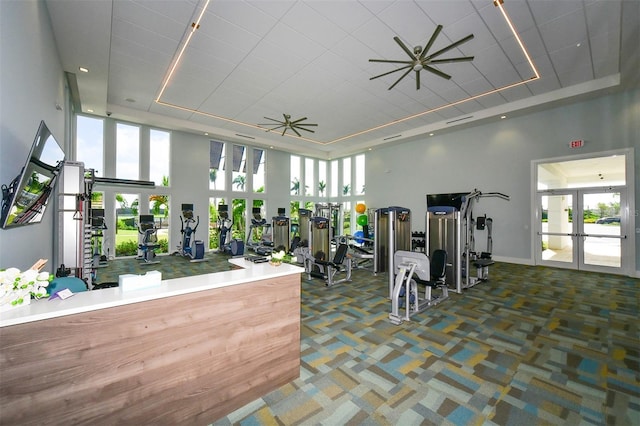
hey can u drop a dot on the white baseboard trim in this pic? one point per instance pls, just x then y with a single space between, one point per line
516 260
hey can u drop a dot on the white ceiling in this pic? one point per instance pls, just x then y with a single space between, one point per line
265 58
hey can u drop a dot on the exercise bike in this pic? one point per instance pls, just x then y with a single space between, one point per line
189 246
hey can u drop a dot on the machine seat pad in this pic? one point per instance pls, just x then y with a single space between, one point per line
481 263
430 283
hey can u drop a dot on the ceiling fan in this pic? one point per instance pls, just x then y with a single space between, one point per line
421 61
288 124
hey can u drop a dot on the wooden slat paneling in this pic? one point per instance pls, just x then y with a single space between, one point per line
185 359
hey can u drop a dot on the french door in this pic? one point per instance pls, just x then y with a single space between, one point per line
582 228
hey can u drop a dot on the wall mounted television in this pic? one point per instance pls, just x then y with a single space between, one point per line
25 199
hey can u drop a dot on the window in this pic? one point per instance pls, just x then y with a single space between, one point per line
159 208
346 176
90 143
217 160
360 167
239 214
216 223
127 151
239 176
295 175
334 179
322 177
159 155
259 160
127 211
309 184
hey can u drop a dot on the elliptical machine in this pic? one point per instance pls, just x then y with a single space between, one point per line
228 245
189 246
147 228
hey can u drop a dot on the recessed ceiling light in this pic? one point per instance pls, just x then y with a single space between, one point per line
83 69
430 134
503 117
206 134
578 45
271 147
89 110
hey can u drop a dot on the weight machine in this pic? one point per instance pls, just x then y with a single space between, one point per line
281 231
450 226
413 269
316 261
392 230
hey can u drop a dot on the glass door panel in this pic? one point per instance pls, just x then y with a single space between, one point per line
556 228
601 230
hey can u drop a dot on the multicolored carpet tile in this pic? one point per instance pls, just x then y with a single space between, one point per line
530 346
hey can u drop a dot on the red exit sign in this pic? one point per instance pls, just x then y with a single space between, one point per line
576 144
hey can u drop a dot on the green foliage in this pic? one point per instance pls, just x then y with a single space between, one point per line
127 248
128 223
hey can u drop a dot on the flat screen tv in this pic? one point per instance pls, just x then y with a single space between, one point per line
446 200
25 199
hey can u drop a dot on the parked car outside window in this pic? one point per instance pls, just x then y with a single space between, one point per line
607 220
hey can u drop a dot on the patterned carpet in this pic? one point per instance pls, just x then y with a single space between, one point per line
532 346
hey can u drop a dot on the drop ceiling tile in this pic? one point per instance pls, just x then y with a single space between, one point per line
132 34
408 22
564 31
176 10
285 41
315 26
571 58
544 11
274 8
603 17
243 15
348 15
440 12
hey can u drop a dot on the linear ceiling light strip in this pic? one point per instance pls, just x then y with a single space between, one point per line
515 34
194 27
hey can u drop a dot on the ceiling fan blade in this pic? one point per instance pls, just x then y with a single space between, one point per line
298 120
284 130
451 46
390 61
302 128
274 128
417 80
305 124
297 133
390 72
404 47
431 41
273 119
437 72
444 61
398 80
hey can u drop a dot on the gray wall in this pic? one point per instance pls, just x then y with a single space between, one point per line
497 157
31 84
